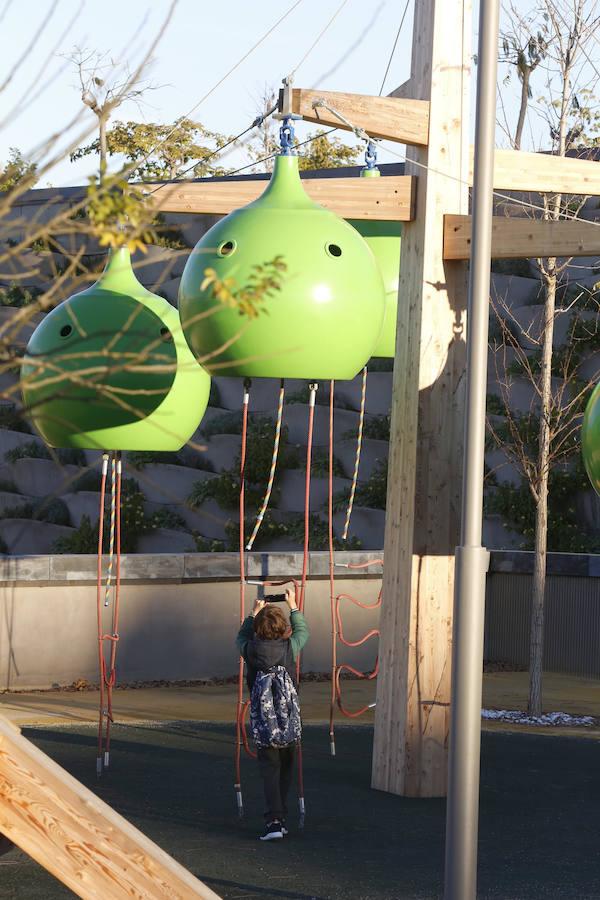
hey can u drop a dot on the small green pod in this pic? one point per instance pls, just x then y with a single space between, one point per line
109 368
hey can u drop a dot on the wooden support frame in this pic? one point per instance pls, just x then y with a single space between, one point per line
391 197
516 170
77 837
425 459
514 238
389 118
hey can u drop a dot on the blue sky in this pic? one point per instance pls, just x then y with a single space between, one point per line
201 43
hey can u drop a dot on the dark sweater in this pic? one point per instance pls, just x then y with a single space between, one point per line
260 655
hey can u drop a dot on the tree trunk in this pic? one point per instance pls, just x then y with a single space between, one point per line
525 74
536 635
103 146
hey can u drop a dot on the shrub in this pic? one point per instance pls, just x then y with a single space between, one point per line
139 459
9 486
226 423
88 481
51 509
12 419
35 450
375 427
28 450
371 493
167 518
207 545
83 539
18 296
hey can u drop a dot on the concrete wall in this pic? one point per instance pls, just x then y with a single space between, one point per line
179 616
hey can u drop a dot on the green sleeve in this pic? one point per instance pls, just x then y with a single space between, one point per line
300 632
245 634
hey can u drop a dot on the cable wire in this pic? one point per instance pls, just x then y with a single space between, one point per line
394 47
318 38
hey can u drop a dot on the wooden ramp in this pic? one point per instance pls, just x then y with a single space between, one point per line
76 836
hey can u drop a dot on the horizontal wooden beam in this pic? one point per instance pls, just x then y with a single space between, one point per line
514 238
516 170
389 118
76 836
389 197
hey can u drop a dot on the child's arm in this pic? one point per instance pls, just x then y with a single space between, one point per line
246 632
300 632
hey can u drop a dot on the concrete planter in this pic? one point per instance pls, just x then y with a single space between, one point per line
291 491
166 540
372 453
30 536
379 392
167 483
41 477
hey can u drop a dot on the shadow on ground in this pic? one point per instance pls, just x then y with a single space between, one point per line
539 817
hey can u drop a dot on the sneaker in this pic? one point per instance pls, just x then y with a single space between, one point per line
273 832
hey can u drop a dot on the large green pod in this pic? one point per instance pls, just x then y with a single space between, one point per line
590 438
325 319
383 237
109 368
384 240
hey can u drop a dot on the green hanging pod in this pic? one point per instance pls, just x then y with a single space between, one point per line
326 317
383 237
590 438
110 369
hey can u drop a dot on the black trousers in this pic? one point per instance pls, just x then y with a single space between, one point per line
276 766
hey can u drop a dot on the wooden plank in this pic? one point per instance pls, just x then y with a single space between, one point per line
76 836
516 170
389 118
426 432
391 197
514 238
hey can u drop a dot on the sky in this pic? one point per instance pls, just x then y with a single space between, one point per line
201 42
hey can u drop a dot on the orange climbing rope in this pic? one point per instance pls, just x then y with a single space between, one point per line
241 708
359 439
107 672
265 504
337 631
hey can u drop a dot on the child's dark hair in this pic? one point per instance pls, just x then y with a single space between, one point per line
270 623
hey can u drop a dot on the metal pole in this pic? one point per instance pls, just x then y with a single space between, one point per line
462 812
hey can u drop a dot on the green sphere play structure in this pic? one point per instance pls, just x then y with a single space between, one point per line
324 321
110 369
384 240
590 438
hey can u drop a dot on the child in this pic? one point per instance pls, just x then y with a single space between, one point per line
264 641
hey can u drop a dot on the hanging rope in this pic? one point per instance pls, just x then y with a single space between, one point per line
107 672
374 632
114 636
361 421
241 710
99 613
331 576
267 497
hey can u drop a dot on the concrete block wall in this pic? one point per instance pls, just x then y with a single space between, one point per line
180 615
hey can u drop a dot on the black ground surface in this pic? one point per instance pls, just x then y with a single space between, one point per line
539 835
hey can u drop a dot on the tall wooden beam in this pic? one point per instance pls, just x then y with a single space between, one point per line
514 238
423 502
391 197
78 838
389 118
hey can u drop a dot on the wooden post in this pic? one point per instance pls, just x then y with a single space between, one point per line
78 838
423 502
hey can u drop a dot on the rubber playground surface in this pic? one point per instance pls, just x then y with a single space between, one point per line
539 824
